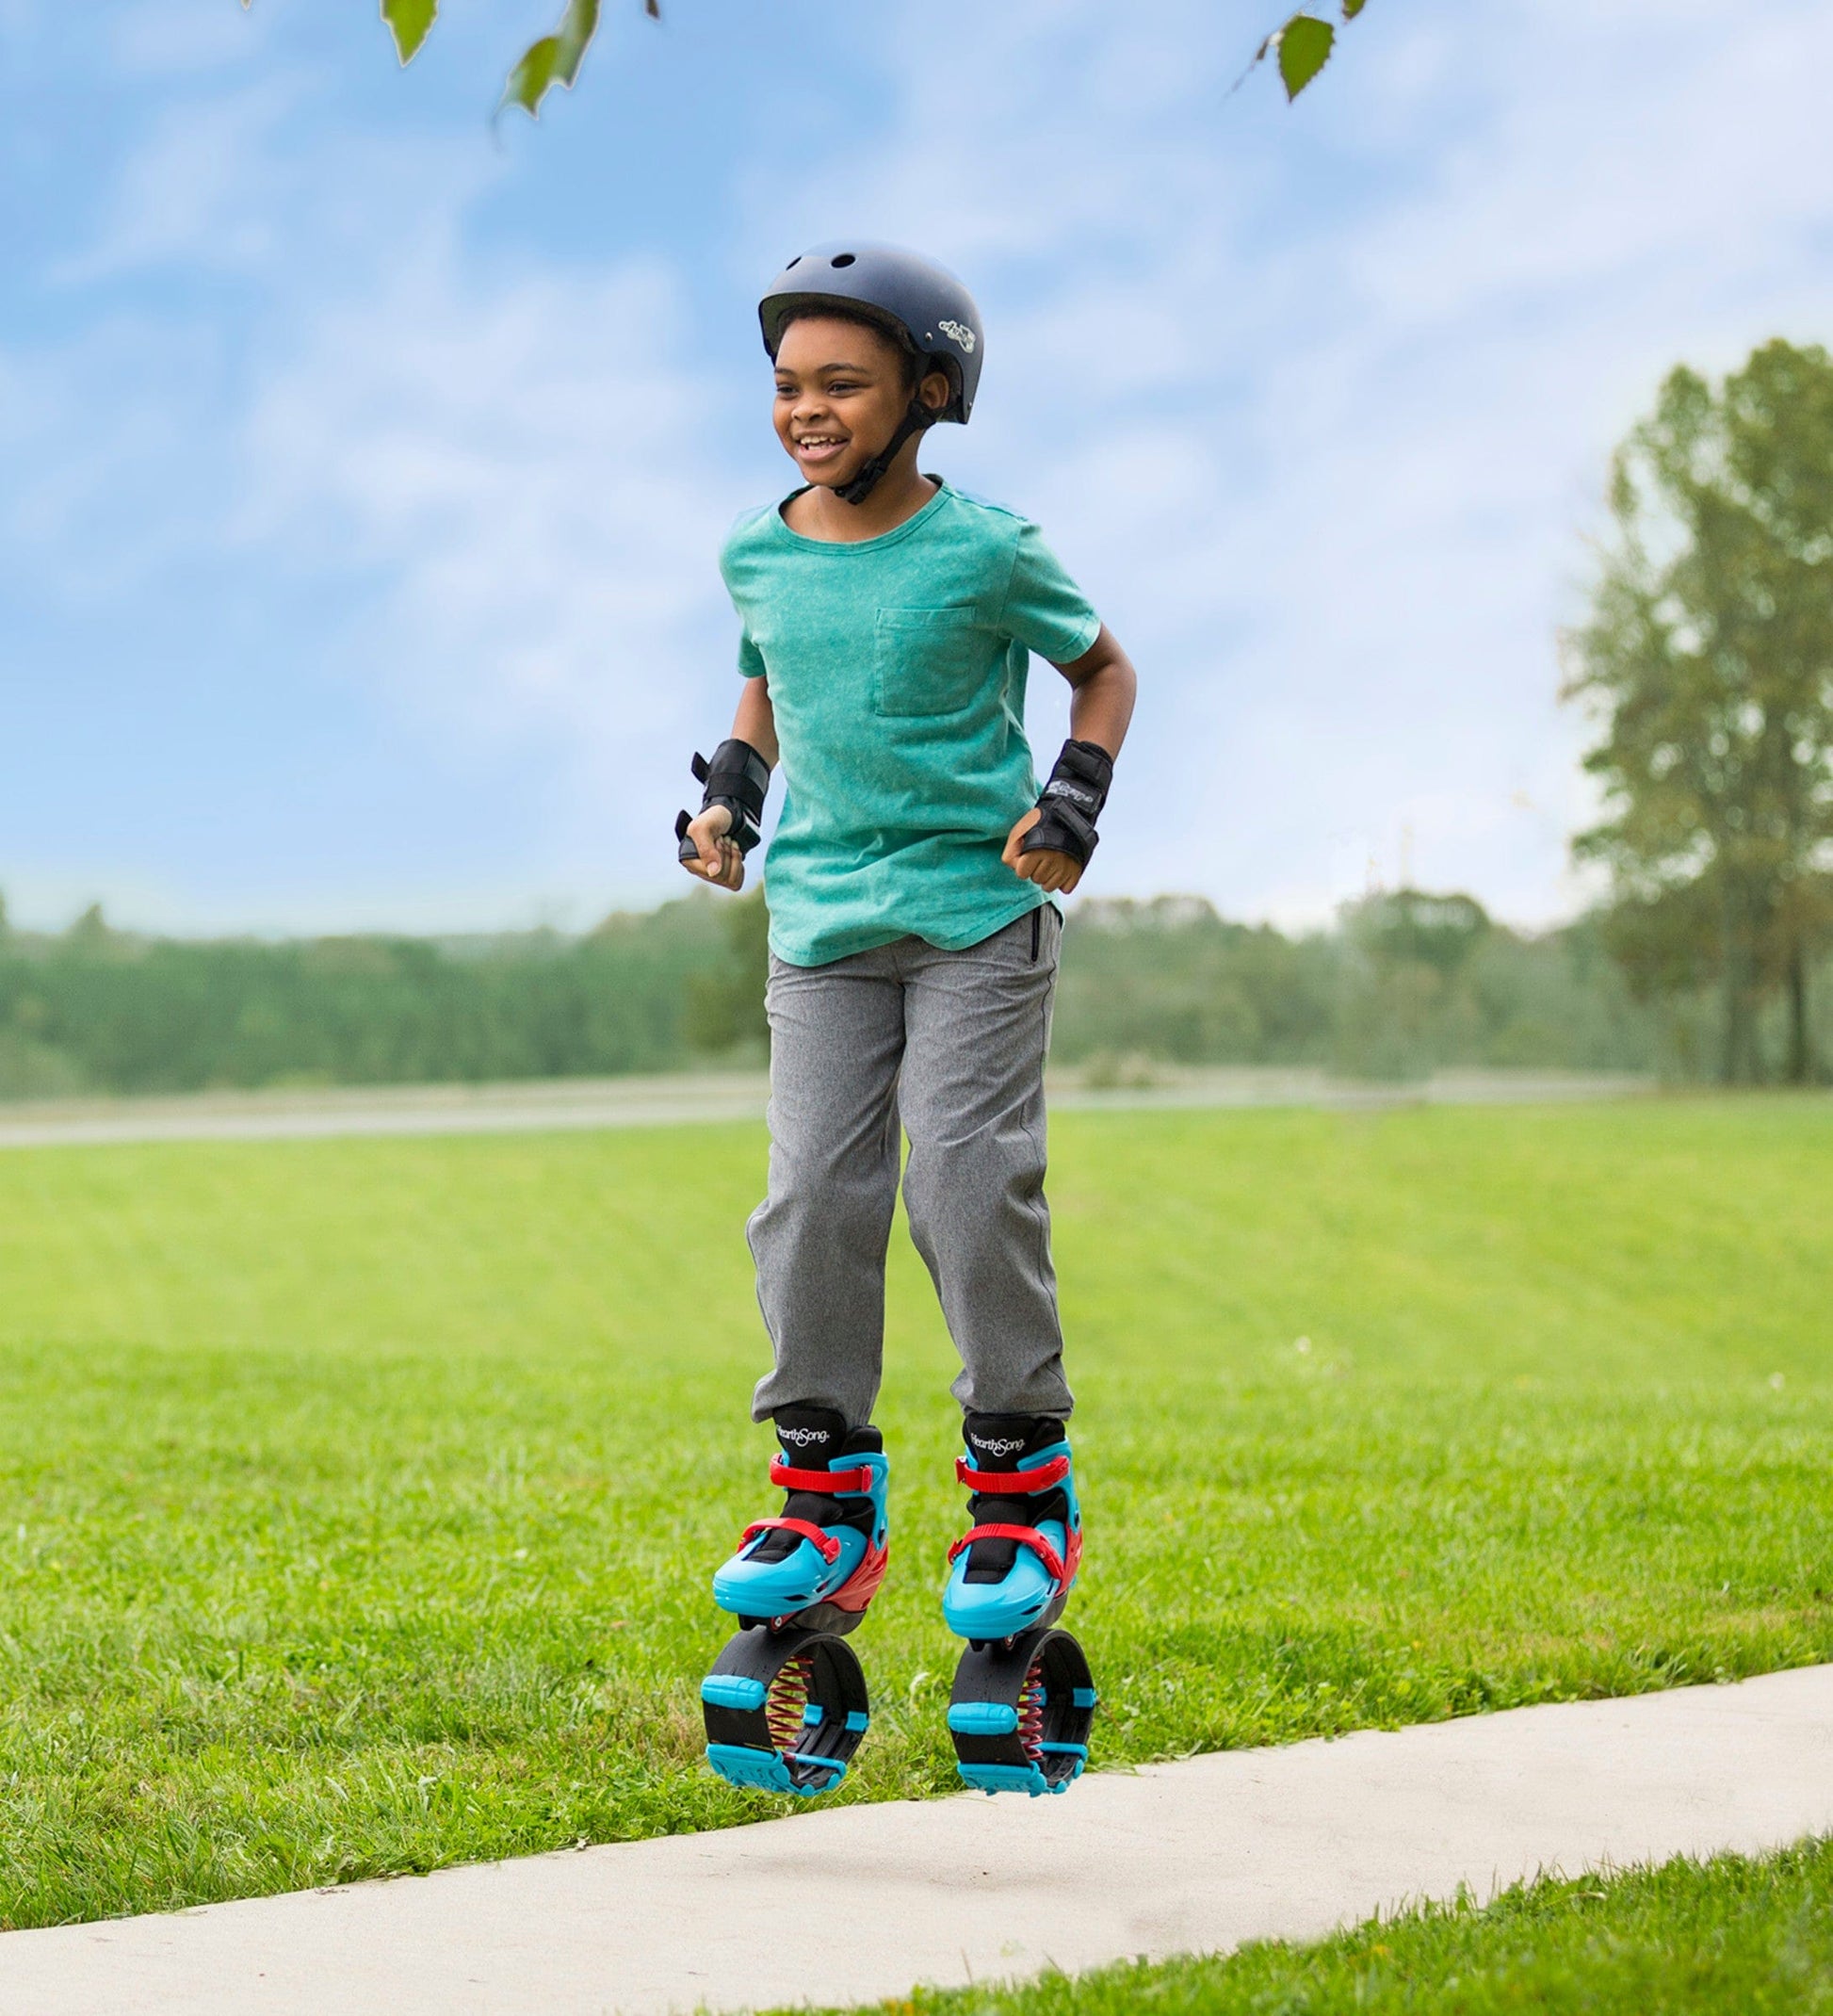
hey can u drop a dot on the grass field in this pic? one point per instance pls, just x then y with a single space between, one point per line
357 1499
1753 1937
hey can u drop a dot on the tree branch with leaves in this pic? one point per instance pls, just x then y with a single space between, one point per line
1302 47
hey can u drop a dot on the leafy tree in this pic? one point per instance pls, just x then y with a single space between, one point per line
1301 47
1708 660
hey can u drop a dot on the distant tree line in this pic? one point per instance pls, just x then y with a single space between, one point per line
1407 981
99 1009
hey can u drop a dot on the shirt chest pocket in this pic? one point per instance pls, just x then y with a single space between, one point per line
928 660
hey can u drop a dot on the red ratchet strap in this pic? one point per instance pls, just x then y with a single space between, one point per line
825 1543
1013 1483
831 1481
1026 1536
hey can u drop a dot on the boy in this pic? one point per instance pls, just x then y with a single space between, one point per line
887 623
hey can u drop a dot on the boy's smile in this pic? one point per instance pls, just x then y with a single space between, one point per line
815 451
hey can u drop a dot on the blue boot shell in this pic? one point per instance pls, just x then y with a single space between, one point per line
1015 1566
830 1545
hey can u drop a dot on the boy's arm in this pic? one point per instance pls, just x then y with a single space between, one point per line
1100 707
1105 685
719 861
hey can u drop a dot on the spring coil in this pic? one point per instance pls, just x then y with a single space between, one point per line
788 1703
1030 1712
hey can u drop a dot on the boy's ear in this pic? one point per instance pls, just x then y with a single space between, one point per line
935 391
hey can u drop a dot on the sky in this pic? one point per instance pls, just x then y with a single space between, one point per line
363 461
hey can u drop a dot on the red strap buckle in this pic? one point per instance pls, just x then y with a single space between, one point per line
1013 1483
826 1544
1026 1536
831 1481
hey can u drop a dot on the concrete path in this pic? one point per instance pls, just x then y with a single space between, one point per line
575 1103
1189 1857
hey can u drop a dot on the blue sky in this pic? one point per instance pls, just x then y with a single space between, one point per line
363 467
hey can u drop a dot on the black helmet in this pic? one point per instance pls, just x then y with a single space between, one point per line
914 298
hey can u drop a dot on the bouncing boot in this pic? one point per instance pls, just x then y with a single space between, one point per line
1022 1700
786 1703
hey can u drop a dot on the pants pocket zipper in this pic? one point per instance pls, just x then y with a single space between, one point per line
1037 926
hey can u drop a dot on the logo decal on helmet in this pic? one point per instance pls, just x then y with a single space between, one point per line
959 333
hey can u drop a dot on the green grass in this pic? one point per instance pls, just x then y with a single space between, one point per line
357 1499
1753 1937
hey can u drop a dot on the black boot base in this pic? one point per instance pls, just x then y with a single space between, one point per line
1020 1712
785 1710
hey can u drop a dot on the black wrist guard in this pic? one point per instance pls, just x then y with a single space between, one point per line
738 778
1070 802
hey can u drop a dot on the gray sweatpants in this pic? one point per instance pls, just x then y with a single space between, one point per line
951 1046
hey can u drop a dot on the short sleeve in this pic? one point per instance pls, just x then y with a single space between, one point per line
739 570
1044 611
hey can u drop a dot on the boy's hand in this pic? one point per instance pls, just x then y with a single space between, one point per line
1051 871
719 861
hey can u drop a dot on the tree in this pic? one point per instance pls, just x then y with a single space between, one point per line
1708 660
1302 47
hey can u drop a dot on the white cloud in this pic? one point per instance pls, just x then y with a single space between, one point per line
519 464
203 189
498 475
490 481
93 428
172 38
256 181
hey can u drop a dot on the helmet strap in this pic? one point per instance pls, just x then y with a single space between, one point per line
914 422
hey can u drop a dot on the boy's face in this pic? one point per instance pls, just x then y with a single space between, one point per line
841 389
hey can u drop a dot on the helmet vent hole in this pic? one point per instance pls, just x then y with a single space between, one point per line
796 261
841 259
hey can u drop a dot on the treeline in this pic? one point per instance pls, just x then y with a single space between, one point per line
95 1009
1405 984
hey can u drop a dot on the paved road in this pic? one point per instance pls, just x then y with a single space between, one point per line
589 1103
1192 1857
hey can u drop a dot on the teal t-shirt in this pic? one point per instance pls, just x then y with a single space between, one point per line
897 676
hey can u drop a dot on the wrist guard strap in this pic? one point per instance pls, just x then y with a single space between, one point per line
1070 802
738 778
